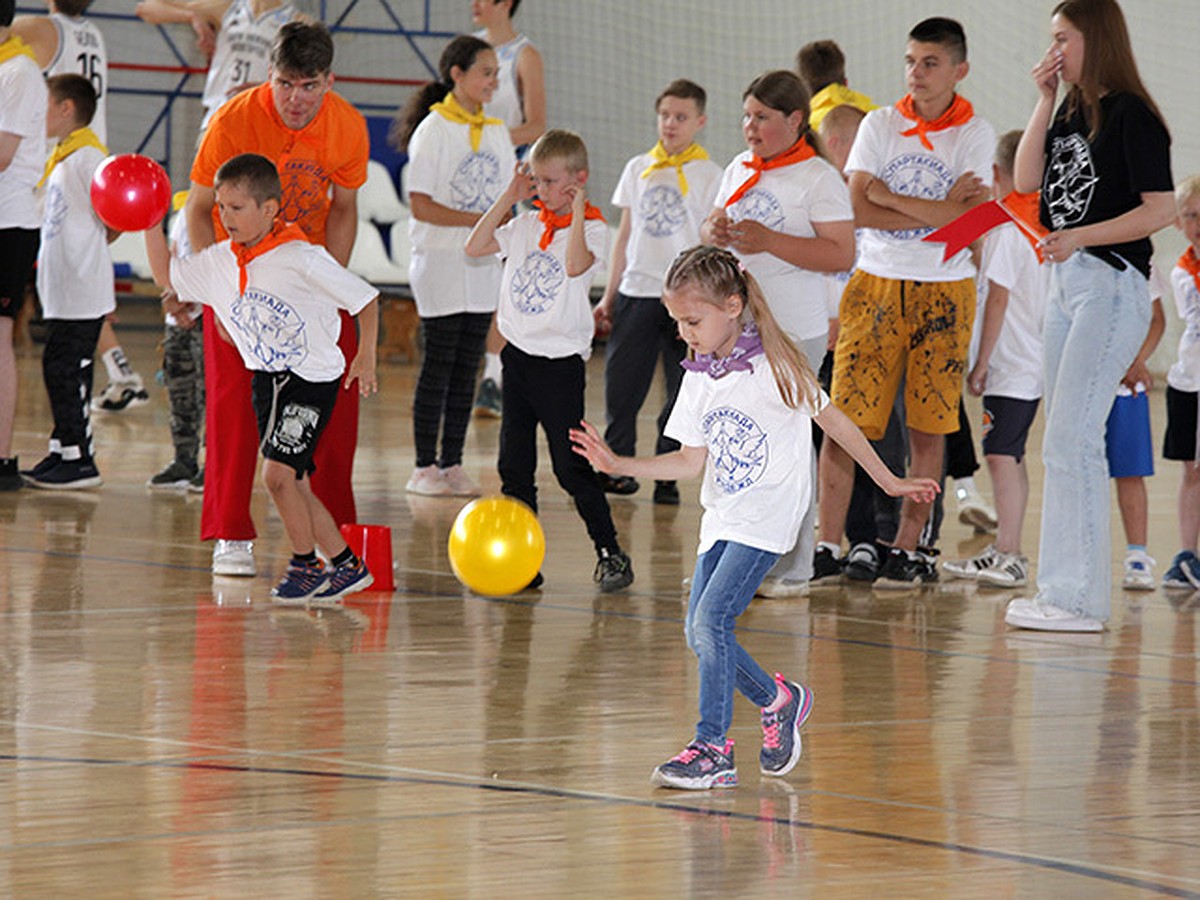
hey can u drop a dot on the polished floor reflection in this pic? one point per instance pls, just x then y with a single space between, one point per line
167 734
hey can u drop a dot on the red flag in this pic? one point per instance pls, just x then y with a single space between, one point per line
971 225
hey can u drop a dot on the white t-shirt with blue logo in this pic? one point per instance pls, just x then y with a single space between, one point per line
287 320
442 165
542 311
663 221
908 168
756 485
790 200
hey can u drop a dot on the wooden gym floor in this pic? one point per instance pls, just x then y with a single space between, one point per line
167 734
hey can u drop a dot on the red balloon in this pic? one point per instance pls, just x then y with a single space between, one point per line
130 192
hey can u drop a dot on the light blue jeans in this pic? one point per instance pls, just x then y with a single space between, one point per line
723 585
1096 320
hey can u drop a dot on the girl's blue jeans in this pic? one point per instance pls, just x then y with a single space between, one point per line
726 577
1096 320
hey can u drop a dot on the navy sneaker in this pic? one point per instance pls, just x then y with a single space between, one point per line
345 580
68 475
614 571
699 767
300 584
781 730
901 570
488 402
1178 577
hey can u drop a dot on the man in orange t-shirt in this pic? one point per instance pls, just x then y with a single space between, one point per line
318 141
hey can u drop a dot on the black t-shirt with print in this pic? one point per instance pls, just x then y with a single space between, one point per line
1089 181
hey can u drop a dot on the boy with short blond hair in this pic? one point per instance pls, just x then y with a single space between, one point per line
664 196
74 282
278 297
1182 440
549 255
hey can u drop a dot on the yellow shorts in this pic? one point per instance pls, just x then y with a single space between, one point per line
918 330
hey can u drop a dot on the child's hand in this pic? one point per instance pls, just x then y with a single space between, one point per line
749 237
521 188
977 380
1137 375
173 307
715 230
922 490
578 195
586 441
968 188
362 370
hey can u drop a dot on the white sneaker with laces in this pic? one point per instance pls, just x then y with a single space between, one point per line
973 510
1008 570
428 481
1139 571
459 483
1035 616
233 558
782 587
971 568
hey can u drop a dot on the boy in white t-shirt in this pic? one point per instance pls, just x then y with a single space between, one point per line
544 315
22 155
74 282
664 196
906 314
1006 369
277 297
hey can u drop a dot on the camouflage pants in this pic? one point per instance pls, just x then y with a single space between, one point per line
183 374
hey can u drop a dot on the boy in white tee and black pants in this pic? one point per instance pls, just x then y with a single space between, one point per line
545 316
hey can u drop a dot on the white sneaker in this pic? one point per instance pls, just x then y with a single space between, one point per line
119 395
459 483
233 558
428 481
782 587
1139 571
970 568
1022 613
973 510
1008 570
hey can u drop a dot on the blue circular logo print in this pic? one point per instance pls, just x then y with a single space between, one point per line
916 175
537 282
759 206
662 210
272 329
475 184
738 447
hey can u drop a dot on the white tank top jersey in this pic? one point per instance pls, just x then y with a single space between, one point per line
81 51
243 54
506 101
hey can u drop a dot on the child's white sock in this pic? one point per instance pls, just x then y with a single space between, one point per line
117 365
492 368
964 487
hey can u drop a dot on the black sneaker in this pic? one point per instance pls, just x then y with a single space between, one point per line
618 484
47 462
826 567
535 584
614 571
902 571
666 493
69 475
862 562
10 475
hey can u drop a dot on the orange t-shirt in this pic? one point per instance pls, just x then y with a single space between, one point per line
332 148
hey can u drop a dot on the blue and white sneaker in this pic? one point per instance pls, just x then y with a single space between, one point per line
299 584
781 730
345 580
1184 573
699 767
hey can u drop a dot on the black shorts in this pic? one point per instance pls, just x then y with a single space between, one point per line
18 253
291 414
1006 423
1180 440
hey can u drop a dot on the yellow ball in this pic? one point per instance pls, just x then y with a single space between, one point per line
496 546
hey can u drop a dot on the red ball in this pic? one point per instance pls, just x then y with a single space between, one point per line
130 192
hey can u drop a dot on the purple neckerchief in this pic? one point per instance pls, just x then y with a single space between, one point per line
748 345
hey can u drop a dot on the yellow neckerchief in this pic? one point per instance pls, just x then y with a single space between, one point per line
453 111
76 140
14 46
663 160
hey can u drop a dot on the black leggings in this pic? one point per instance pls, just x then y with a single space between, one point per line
446 385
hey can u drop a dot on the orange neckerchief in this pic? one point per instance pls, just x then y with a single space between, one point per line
960 112
1024 208
281 233
798 152
1190 264
552 222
